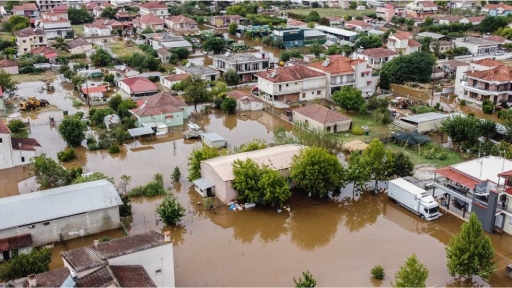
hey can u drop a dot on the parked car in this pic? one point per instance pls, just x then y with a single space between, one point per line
459 204
500 52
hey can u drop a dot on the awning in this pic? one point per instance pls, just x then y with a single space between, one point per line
457 177
16 242
203 183
140 131
95 89
51 55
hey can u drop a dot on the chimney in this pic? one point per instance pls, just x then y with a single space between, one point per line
167 236
32 282
96 242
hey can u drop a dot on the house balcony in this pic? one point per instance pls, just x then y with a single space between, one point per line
342 83
488 92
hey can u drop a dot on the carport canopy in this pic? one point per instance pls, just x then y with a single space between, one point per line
140 131
203 183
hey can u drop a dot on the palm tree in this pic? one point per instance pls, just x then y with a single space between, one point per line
60 44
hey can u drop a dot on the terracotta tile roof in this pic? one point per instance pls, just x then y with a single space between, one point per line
7 63
427 4
60 8
498 6
139 84
402 35
163 51
321 114
337 65
181 19
501 73
1 92
476 19
99 278
52 278
379 52
78 42
495 38
176 77
413 43
132 276
231 17
21 241
457 177
157 104
96 89
29 32
42 50
489 62
3 128
357 23
27 144
89 257
25 6
455 63
153 5
451 18
60 20
289 74
149 19
292 22
90 5
236 94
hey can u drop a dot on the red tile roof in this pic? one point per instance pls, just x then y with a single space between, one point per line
139 84
175 77
495 38
337 65
236 94
15 242
379 52
26 144
53 278
153 5
181 19
498 6
163 51
457 177
26 6
60 8
427 4
29 32
455 63
476 19
42 50
322 114
149 19
3 128
7 63
161 103
414 43
96 89
489 62
289 74
500 73
402 35
1 92
132 276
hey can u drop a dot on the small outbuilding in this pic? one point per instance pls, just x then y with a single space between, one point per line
426 122
214 140
322 118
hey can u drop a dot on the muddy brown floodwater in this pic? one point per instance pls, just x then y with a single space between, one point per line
339 241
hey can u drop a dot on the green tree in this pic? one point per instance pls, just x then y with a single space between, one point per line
311 25
287 55
16 126
228 106
316 49
411 274
384 82
369 41
375 158
79 16
487 128
255 144
317 171
358 172
22 265
237 10
170 210
124 106
352 5
6 81
273 187
95 176
72 131
197 155
101 58
231 77
109 78
415 67
402 165
232 28
246 177
15 23
181 52
195 90
313 16
49 174
176 174
348 98
125 210
307 282
114 102
215 44
109 13
491 24
462 129
60 44
470 252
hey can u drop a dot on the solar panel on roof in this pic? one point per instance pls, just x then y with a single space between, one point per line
273 74
227 54
326 63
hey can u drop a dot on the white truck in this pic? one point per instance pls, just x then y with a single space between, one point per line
413 198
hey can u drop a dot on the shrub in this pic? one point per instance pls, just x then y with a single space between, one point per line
66 155
176 174
104 239
153 188
462 102
356 130
77 103
113 149
488 108
378 272
170 210
432 151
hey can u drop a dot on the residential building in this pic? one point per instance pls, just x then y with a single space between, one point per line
181 23
149 21
473 20
122 71
493 84
11 246
52 215
46 52
245 101
403 43
425 122
291 84
55 26
163 54
481 186
433 36
447 20
9 66
121 3
160 109
217 173
421 9
376 57
205 72
99 27
154 8
321 118
98 10
451 66
224 20
59 8
79 46
463 4
466 88
497 9
498 39
16 151
169 80
137 86
168 41
28 10
358 25
245 64
125 16
30 38
344 36
387 12
47 5
342 71
477 46
441 46
54 15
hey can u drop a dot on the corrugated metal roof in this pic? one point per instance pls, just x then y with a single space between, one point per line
140 131
56 203
203 183
425 117
213 137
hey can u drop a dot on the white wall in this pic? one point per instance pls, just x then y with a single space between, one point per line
13 70
220 186
125 87
6 152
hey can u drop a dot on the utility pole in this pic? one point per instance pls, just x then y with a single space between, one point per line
433 84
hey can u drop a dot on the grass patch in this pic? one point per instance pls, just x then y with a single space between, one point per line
358 120
332 12
62 53
20 78
120 50
77 103
78 29
412 151
6 36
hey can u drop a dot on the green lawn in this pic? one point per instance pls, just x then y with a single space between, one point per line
6 36
412 152
376 129
332 12
78 29
121 50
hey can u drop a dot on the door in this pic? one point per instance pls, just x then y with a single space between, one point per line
6 255
499 221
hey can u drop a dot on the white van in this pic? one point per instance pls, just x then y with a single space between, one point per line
361 8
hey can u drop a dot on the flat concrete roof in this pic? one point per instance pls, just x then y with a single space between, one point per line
485 168
425 117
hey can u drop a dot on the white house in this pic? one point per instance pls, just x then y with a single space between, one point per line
98 28
403 43
149 21
291 84
358 25
181 23
154 8
79 46
245 101
376 57
53 215
473 20
471 91
169 80
16 151
55 26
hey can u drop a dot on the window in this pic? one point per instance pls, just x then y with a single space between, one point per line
24 41
22 159
286 85
158 272
312 92
279 88
46 223
306 121
303 95
1 140
318 92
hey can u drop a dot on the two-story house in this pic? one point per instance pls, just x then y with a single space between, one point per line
154 8
342 71
28 10
493 84
47 5
421 9
16 151
149 21
466 87
386 12
291 84
245 64
403 43
463 4
497 9
55 25
225 20
181 23
376 57
30 38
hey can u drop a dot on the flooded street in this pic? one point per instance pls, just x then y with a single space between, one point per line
337 241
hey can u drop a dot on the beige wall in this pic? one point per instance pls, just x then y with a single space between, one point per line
341 126
221 187
80 49
13 70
